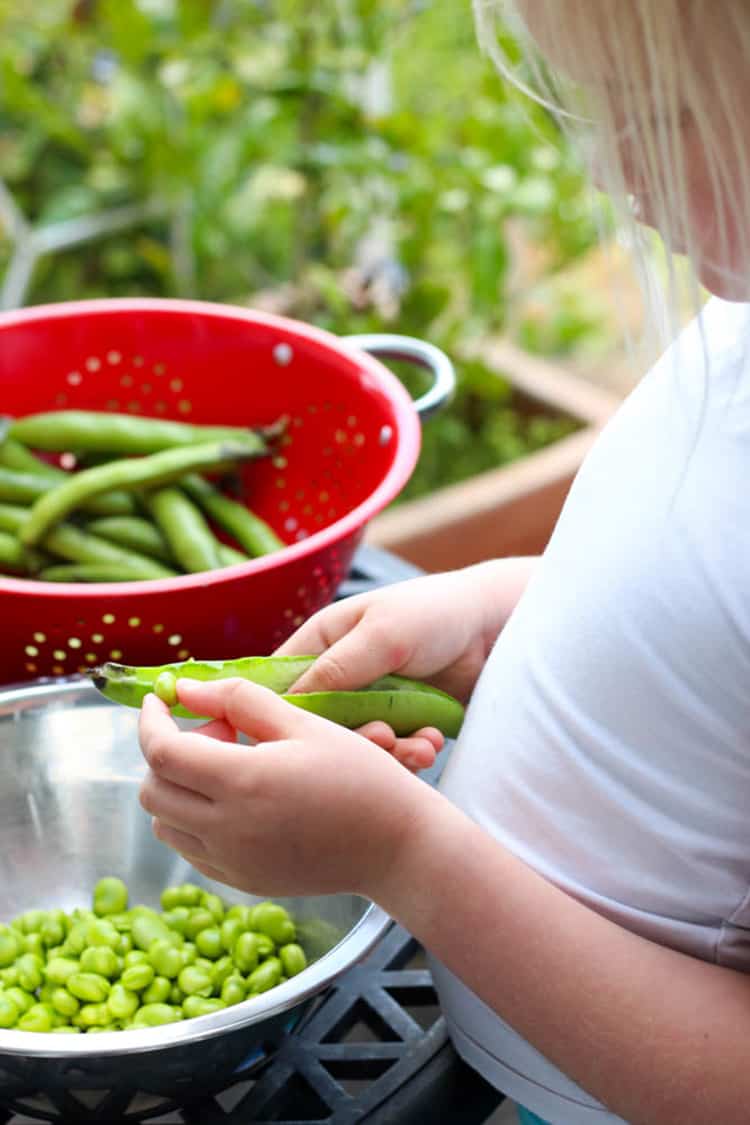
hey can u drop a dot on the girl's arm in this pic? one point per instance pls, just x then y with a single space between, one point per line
659 1037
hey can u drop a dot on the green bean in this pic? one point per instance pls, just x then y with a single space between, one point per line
110 896
136 957
195 1006
122 1003
29 967
88 986
78 546
25 485
147 929
33 943
165 688
137 977
59 969
37 1018
10 946
93 1015
93 572
266 976
213 904
153 1015
64 1002
228 556
176 918
102 960
252 533
94 432
245 952
195 981
14 455
241 913
200 919
405 704
21 998
266 947
189 953
233 990
133 532
273 920
208 943
293 959
190 539
100 931
158 991
13 556
222 970
132 474
231 928
9 1012
166 958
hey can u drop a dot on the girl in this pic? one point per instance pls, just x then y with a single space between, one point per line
582 878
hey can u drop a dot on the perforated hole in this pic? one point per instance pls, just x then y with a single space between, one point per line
74 378
134 622
116 654
31 650
93 363
74 642
113 357
174 640
40 638
109 618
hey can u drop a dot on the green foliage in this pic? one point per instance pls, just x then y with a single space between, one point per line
274 134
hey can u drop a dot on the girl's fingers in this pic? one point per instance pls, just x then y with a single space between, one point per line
218 729
416 753
185 843
182 808
322 629
256 711
186 758
379 733
207 870
354 661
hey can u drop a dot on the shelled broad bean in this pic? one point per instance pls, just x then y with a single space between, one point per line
112 967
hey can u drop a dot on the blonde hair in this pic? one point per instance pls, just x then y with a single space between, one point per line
636 73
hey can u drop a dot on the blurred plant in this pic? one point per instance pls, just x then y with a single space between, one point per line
357 163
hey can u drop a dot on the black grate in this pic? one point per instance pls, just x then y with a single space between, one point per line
374 1049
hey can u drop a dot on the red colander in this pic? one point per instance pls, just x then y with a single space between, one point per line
351 443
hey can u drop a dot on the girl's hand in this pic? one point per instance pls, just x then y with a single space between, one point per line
312 808
439 629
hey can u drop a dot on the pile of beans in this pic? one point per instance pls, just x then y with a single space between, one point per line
111 968
145 512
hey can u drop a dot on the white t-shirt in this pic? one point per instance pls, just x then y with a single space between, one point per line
607 743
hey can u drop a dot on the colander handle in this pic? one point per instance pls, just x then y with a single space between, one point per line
420 353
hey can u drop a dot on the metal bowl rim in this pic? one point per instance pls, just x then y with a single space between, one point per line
312 980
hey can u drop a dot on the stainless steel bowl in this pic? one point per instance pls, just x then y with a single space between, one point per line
70 768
